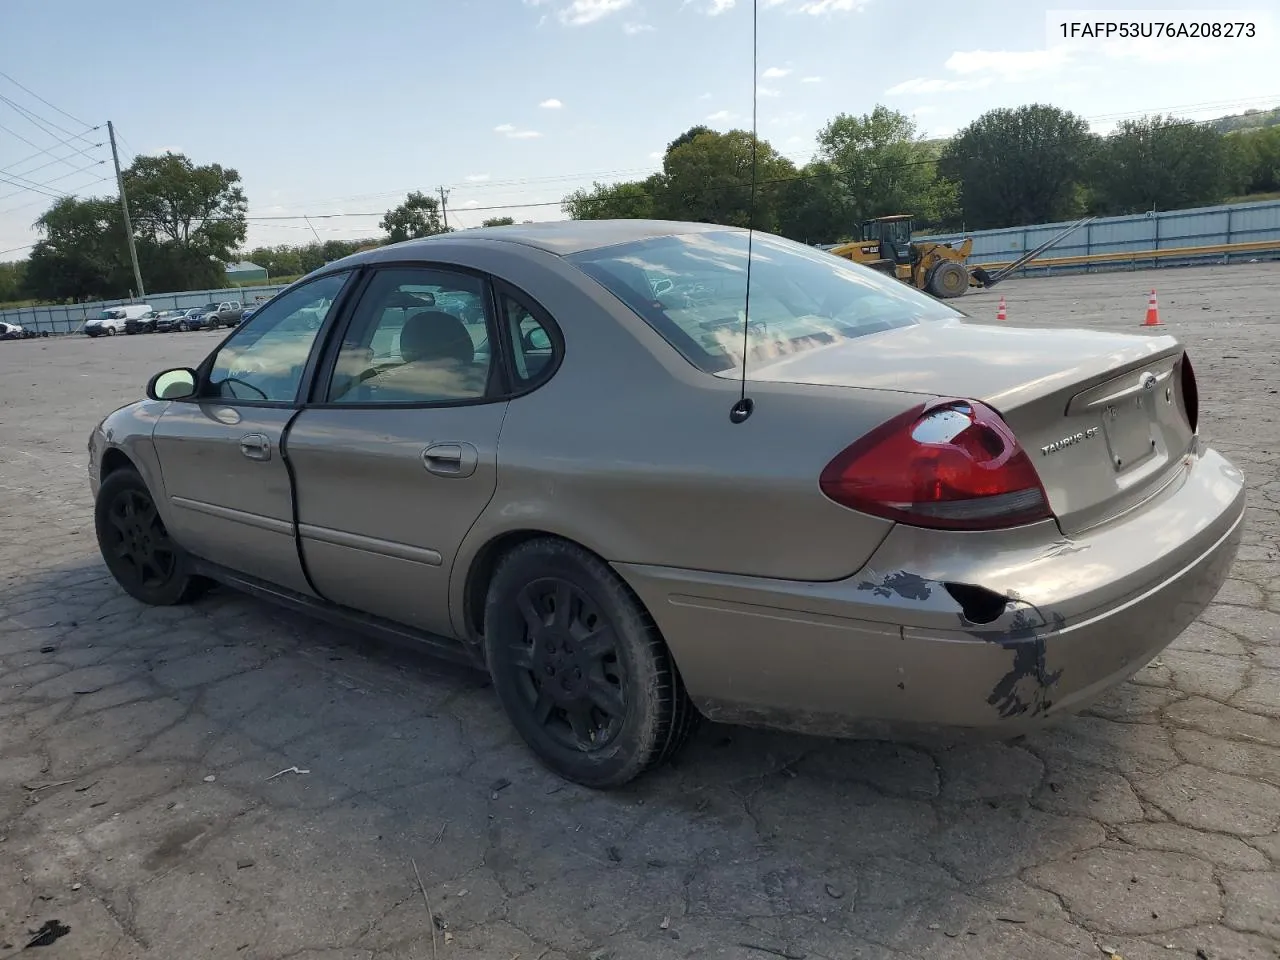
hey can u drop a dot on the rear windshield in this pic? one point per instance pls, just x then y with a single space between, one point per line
692 289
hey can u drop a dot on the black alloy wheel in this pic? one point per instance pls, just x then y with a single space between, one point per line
579 666
135 545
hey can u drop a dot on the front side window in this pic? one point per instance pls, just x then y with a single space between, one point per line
265 358
692 290
418 335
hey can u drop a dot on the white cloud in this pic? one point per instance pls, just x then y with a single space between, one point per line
472 203
656 155
936 85
719 6
1008 64
775 73
704 96
476 177
551 104
767 91
581 12
509 131
720 116
816 8
631 29
811 80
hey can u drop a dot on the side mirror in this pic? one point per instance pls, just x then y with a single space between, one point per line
536 339
176 384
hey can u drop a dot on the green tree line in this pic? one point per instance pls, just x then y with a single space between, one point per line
1010 167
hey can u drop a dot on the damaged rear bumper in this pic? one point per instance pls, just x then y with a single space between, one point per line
955 630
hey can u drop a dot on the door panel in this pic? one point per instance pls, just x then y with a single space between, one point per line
385 496
228 487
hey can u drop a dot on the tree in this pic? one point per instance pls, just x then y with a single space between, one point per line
13 275
629 200
1017 167
1160 162
687 137
1258 153
83 253
880 167
418 216
811 207
498 222
189 219
708 178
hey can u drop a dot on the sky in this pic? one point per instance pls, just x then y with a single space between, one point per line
335 110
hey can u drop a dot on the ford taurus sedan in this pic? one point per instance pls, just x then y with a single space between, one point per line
573 454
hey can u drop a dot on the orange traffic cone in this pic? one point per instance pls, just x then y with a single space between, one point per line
1000 311
1153 312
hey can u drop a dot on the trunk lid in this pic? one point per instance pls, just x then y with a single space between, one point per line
1101 415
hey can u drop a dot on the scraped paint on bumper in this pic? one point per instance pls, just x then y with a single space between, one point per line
882 650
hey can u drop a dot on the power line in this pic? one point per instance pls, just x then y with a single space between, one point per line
43 100
37 146
46 183
72 193
25 246
42 152
41 123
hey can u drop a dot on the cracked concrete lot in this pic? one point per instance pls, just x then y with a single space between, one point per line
138 747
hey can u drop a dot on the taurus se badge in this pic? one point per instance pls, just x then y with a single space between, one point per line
1070 441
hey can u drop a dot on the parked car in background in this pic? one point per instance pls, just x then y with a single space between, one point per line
143 324
175 319
248 312
112 319
11 331
215 315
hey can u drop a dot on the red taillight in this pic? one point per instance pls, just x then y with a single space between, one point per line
1190 393
950 464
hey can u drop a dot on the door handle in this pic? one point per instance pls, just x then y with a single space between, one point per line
255 446
451 459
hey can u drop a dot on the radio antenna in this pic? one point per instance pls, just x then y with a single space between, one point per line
739 412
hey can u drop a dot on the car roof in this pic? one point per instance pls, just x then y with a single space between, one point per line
561 237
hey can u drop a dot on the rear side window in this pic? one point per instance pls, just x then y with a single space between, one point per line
692 289
533 344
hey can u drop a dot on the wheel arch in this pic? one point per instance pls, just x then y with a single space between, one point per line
113 459
485 560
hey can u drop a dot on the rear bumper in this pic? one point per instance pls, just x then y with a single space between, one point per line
891 647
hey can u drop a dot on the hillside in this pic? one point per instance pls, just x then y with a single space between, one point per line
1249 120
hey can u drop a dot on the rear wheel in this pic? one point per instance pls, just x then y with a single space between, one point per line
950 279
136 546
580 667
182 326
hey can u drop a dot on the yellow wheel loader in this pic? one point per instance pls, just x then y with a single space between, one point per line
937 268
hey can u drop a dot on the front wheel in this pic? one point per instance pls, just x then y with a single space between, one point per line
111 331
580 667
182 326
950 279
136 546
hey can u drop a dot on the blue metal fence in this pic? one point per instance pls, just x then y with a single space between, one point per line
1252 223
70 319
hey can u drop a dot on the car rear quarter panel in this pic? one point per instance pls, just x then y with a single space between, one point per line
629 450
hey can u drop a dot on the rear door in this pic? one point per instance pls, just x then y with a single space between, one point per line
222 455
397 456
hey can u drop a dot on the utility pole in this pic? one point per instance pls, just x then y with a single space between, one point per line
124 205
444 210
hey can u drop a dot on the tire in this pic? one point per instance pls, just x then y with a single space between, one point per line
629 669
135 546
182 326
949 279
111 331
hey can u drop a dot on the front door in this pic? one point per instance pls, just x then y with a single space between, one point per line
398 458
223 455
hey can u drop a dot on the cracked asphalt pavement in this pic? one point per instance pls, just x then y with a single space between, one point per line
140 806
